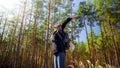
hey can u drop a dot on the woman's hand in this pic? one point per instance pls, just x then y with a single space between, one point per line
73 16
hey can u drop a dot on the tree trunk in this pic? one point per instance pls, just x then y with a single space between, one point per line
28 46
103 43
102 35
3 29
93 58
88 42
107 51
72 32
114 43
45 59
1 20
19 36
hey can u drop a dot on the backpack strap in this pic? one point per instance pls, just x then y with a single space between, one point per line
60 36
54 33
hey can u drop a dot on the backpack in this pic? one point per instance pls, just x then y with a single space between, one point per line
67 43
65 39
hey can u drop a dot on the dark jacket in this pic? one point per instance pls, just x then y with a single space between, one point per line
58 45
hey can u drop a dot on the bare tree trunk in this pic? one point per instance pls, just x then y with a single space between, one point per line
52 29
28 44
93 47
88 42
2 48
45 59
1 20
107 44
4 28
72 32
34 40
19 37
103 43
102 35
114 43
22 47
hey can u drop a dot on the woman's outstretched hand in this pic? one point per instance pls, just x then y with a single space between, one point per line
73 16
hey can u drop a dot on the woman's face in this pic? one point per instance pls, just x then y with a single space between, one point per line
56 28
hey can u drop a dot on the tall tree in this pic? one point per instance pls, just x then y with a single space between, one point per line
45 60
19 36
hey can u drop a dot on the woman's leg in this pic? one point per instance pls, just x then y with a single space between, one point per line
55 61
61 60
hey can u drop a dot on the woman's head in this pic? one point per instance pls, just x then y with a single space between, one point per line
57 26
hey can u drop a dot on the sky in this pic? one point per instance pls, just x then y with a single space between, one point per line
8 4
